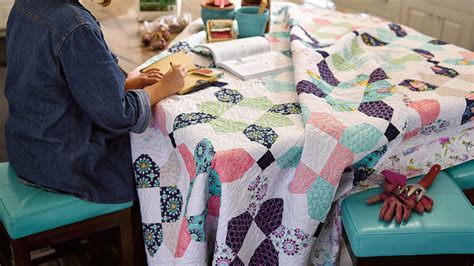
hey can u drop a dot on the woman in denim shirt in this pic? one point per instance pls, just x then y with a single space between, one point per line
70 106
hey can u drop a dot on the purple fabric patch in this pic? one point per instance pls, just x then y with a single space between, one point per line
305 86
265 254
237 229
377 75
326 73
270 215
377 109
237 262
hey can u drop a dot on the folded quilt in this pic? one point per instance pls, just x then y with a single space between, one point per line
247 172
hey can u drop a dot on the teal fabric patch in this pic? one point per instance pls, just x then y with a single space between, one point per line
432 47
214 183
305 113
196 226
274 85
291 158
319 198
361 138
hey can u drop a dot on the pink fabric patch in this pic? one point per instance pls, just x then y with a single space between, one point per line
428 110
303 179
272 39
327 123
232 164
340 158
184 239
188 160
160 119
411 134
213 206
467 55
321 21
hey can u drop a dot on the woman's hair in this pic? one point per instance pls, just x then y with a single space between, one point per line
105 2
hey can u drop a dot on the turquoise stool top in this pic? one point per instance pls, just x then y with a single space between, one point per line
448 229
26 210
463 174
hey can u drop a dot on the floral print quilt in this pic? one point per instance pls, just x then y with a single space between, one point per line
246 172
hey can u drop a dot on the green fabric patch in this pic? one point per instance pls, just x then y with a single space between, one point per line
291 158
418 38
273 120
360 138
260 103
355 48
386 35
324 35
346 25
227 126
340 63
214 108
407 58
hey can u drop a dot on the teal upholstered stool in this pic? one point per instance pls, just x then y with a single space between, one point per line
31 216
463 174
448 229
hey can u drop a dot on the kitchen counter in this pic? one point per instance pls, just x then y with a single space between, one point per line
120 25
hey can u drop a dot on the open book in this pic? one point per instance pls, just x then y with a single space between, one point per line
248 58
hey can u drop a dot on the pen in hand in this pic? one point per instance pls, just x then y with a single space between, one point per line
172 66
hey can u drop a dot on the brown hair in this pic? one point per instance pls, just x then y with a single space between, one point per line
105 2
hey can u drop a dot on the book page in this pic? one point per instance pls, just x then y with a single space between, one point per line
228 50
258 65
180 58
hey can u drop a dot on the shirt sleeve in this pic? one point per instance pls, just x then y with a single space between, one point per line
97 84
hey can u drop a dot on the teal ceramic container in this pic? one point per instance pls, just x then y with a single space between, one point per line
209 11
250 22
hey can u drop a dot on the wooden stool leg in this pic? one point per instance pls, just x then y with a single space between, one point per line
126 241
21 252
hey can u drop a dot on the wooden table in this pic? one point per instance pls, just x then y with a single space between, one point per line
120 25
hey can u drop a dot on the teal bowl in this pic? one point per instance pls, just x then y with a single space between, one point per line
212 12
250 22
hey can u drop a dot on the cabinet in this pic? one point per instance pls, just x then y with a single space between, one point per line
418 15
5 7
440 22
454 27
388 9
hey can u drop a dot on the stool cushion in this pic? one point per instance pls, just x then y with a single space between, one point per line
448 229
26 210
463 174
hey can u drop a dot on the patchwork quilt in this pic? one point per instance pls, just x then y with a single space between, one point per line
246 173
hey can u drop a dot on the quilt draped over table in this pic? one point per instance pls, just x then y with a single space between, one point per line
248 171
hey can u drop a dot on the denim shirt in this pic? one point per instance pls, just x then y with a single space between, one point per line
69 116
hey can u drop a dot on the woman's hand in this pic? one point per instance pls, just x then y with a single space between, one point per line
171 83
147 78
173 80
